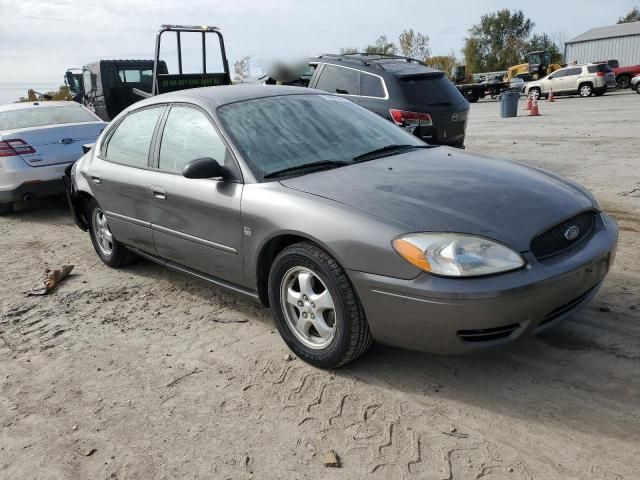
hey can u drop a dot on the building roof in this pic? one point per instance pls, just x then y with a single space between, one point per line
611 31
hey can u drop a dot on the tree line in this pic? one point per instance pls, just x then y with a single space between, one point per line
498 41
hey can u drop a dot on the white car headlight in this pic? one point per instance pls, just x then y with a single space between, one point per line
456 254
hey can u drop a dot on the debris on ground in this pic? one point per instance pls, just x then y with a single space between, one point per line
453 432
330 459
288 357
51 280
172 383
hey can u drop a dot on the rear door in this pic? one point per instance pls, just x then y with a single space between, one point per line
120 177
341 80
196 222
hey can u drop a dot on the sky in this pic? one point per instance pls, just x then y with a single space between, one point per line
40 39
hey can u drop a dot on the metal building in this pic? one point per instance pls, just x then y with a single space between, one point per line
616 42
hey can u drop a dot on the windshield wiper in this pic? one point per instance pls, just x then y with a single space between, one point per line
386 151
307 167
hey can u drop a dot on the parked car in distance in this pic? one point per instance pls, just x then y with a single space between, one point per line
37 141
623 74
583 80
401 89
349 228
635 83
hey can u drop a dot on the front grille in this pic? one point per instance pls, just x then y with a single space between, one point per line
553 241
562 309
487 334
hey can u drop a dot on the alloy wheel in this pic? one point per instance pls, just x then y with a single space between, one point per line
103 233
585 91
308 307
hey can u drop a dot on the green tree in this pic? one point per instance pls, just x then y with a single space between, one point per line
632 16
414 44
382 45
544 42
349 50
442 62
500 40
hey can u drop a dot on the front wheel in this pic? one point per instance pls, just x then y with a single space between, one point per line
585 90
638 87
535 93
315 308
111 252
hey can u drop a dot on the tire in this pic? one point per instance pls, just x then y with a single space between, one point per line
6 208
111 252
535 93
585 90
623 81
330 335
638 87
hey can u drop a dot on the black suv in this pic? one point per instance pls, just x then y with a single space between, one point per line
401 89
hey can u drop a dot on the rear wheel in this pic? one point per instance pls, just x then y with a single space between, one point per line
111 252
585 90
6 208
623 81
315 307
638 87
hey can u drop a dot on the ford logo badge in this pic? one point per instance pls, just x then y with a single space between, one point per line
572 233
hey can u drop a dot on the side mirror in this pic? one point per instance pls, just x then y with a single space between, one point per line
202 168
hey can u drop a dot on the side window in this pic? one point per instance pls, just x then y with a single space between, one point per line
130 142
559 73
188 134
339 80
574 71
371 86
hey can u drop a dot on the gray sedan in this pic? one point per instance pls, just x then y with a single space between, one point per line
348 227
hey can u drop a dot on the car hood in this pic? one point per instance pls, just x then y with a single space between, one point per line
448 190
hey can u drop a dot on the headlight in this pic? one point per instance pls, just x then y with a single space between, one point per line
456 254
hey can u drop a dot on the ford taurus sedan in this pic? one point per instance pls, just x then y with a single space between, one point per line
38 140
347 226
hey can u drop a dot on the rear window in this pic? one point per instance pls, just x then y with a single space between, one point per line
601 67
430 90
41 115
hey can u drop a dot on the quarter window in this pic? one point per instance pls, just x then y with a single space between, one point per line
188 134
371 86
130 142
339 80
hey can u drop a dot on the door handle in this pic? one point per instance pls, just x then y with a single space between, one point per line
96 179
159 193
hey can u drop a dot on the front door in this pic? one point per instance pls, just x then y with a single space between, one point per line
119 178
196 222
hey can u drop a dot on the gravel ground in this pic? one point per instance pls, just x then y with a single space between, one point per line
143 373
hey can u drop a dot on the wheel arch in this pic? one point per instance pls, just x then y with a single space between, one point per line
270 250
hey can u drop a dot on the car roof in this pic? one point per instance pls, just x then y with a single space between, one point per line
373 62
222 95
24 105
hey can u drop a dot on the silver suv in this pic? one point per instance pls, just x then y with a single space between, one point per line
583 80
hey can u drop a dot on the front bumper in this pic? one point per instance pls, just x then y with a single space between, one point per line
445 315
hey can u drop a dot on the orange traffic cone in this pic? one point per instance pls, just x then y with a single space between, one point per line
529 102
534 109
551 97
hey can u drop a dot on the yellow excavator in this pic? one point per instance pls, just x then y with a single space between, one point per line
538 65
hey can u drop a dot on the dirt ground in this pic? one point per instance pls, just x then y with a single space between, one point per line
143 373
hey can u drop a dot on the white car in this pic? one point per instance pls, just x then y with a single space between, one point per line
583 80
37 141
635 83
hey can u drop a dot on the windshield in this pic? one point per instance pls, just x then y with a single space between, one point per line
40 115
287 132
